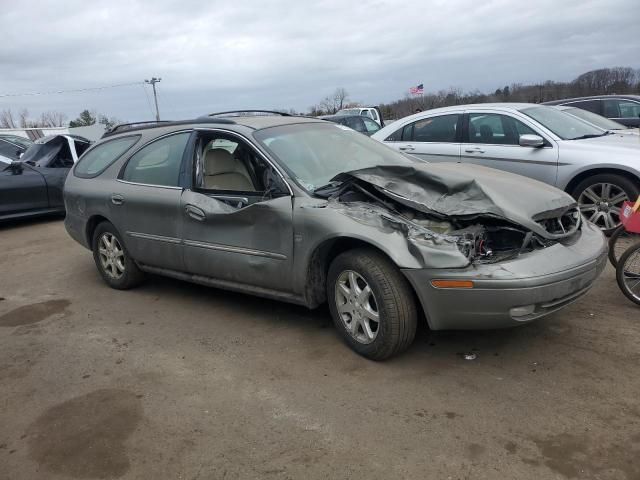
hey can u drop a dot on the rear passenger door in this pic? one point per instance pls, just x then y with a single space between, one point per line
493 140
145 202
433 139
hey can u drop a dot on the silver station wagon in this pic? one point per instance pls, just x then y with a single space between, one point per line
308 212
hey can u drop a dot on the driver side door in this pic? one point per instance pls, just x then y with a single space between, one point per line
237 216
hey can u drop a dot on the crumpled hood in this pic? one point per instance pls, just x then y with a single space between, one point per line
456 190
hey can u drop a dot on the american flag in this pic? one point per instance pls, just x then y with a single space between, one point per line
419 90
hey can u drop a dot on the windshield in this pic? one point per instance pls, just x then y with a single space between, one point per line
15 139
314 153
565 126
597 120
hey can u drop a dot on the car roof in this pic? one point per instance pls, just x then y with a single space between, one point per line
593 97
228 119
511 106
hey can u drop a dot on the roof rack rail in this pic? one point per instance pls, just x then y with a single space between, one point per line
249 112
135 126
129 125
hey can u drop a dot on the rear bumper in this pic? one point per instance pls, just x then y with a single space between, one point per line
515 292
76 228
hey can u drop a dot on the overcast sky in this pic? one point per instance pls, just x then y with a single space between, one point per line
220 55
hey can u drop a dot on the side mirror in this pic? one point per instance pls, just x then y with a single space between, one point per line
535 141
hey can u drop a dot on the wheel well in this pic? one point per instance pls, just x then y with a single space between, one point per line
597 171
323 255
91 227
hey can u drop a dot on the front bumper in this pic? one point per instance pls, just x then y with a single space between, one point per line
514 292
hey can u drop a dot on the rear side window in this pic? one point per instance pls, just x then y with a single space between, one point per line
101 156
433 129
159 162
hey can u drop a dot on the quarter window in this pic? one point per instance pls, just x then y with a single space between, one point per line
103 155
159 162
491 128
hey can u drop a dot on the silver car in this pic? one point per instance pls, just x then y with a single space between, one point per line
308 212
599 170
598 121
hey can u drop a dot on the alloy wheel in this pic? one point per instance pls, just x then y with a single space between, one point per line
111 255
357 307
601 204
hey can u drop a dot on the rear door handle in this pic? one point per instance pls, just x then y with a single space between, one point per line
195 213
474 150
408 148
117 199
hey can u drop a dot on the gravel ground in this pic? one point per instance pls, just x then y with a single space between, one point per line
177 381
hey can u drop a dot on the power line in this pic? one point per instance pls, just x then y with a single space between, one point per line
76 90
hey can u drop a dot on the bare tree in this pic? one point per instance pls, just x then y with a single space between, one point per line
52 119
6 119
334 102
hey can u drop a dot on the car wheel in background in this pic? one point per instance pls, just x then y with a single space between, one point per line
112 259
601 197
371 303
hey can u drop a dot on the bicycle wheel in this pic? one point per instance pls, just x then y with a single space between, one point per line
628 273
619 242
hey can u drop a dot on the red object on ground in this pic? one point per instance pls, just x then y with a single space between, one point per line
630 218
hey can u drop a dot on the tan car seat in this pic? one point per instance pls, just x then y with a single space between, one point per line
223 172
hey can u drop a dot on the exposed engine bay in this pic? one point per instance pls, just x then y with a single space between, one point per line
481 239
482 215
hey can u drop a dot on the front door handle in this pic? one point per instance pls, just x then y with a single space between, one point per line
408 148
117 199
474 150
195 213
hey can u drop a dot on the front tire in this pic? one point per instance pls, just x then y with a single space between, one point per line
114 263
628 273
371 303
601 197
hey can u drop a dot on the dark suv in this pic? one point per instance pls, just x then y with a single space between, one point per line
624 109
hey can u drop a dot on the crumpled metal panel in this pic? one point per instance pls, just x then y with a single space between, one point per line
447 190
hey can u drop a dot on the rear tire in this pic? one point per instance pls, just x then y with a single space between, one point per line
114 263
363 285
601 197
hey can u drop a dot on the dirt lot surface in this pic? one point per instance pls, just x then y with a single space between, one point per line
176 381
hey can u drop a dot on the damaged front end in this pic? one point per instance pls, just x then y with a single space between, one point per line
452 220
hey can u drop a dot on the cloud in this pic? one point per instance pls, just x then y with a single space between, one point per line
215 55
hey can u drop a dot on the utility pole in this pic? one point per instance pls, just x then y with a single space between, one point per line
153 82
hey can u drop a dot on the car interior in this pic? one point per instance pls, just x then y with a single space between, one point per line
226 166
